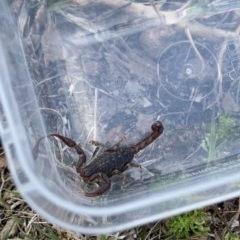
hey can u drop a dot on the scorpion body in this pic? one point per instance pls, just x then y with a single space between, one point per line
110 161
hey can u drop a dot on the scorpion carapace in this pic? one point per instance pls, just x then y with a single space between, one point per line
112 160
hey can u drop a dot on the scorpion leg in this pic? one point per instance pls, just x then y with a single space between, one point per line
117 145
137 165
104 184
98 145
70 143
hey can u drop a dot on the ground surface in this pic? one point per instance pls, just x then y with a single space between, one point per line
18 221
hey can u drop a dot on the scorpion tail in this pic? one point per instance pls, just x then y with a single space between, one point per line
157 129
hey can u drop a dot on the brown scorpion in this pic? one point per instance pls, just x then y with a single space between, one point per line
112 160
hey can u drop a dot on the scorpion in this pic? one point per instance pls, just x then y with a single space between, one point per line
112 160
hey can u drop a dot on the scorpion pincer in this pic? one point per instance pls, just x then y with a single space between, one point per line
110 161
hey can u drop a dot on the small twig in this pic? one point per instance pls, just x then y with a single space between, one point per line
152 228
199 56
3 181
29 225
152 3
233 219
197 149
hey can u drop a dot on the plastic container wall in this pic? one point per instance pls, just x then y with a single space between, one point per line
104 70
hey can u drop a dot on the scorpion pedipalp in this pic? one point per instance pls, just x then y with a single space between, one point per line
103 184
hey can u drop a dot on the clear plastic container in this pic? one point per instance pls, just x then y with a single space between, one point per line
103 70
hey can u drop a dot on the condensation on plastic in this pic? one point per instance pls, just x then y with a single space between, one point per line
103 70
